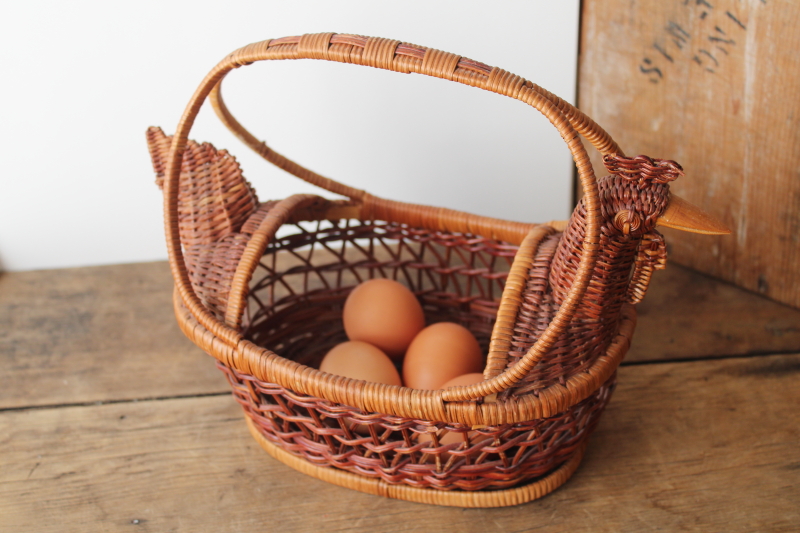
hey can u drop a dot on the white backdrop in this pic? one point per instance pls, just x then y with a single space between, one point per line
84 79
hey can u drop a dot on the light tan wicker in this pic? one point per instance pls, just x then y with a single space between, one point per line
550 304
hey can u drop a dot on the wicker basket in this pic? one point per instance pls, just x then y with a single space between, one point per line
268 307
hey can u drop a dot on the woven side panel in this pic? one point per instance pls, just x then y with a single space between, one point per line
500 343
413 452
214 199
211 268
215 208
594 325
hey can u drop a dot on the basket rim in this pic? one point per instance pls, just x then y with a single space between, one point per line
265 365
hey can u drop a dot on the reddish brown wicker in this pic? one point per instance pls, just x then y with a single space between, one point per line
555 320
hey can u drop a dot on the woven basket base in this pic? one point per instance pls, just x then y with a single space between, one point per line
494 498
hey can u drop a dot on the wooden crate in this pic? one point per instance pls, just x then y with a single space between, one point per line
714 85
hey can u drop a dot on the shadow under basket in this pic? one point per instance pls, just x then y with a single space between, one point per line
261 288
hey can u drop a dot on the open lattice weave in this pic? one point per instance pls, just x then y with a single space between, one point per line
296 311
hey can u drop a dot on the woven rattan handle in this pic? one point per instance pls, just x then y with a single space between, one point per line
393 55
494 79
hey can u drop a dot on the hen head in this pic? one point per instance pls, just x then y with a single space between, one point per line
635 198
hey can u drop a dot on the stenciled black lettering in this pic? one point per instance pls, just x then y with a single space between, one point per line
651 70
663 52
675 29
737 21
707 53
715 39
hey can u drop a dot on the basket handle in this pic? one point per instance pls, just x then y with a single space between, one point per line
584 125
393 55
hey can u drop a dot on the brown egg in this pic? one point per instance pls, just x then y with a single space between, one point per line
465 379
359 360
383 313
440 353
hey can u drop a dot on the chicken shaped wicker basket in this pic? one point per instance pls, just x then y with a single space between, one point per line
551 305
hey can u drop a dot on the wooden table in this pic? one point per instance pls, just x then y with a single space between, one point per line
110 420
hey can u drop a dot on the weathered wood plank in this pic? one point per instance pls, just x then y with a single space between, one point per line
95 334
687 315
714 86
108 333
695 446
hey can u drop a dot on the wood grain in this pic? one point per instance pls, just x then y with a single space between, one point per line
694 446
713 85
687 315
95 334
108 334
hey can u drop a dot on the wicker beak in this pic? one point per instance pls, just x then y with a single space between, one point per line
682 215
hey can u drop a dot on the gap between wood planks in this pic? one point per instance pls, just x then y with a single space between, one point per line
110 402
227 392
750 355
